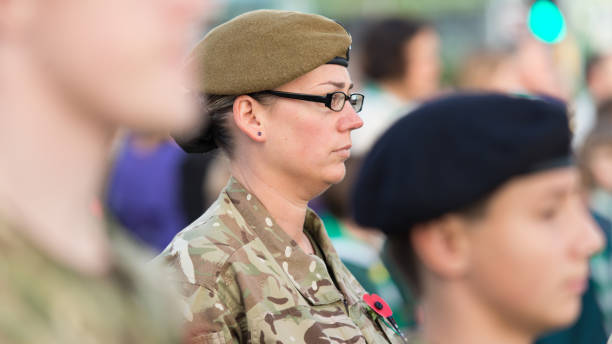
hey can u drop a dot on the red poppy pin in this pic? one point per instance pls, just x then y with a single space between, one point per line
378 305
382 308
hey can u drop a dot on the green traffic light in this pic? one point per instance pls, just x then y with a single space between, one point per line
546 22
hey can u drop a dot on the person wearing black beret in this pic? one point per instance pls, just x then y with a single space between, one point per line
481 205
258 266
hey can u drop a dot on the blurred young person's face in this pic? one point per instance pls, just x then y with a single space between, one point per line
530 251
600 162
422 53
119 60
600 83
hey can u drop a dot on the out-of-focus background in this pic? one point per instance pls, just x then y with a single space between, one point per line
405 52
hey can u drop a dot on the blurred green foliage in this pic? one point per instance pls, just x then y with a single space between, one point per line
425 8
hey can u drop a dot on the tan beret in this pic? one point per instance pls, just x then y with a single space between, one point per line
264 49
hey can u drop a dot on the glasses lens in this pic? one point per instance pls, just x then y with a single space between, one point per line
337 101
356 101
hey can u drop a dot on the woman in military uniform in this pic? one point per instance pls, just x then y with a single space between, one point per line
258 265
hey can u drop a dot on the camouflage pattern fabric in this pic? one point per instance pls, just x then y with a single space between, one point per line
44 302
246 281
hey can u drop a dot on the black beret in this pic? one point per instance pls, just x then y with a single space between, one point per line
452 152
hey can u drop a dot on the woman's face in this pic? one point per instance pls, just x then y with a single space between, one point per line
306 141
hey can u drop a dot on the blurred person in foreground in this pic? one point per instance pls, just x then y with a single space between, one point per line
258 266
483 215
400 60
72 73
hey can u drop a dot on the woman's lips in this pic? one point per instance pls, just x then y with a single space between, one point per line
344 151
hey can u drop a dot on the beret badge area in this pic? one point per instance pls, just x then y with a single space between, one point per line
341 61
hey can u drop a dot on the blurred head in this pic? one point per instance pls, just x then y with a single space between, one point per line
595 157
489 71
536 226
599 77
604 111
285 134
404 52
119 60
464 200
540 68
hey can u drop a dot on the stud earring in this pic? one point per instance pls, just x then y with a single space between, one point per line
259 133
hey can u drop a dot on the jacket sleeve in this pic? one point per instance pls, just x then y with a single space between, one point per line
209 297
211 316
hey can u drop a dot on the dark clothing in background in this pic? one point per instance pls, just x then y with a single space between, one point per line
193 174
156 191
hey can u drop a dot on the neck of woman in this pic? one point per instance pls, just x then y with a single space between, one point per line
287 208
52 160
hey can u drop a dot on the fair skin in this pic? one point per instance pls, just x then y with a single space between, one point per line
73 72
537 69
600 80
301 149
422 73
601 166
514 273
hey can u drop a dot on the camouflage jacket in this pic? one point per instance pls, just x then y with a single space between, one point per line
245 281
44 302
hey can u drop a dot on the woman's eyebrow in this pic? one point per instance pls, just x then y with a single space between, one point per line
337 84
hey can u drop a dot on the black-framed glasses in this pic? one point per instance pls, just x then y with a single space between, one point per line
335 100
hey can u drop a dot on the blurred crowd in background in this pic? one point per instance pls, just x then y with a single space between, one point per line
405 53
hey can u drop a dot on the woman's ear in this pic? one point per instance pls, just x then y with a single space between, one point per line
443 246
247 116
